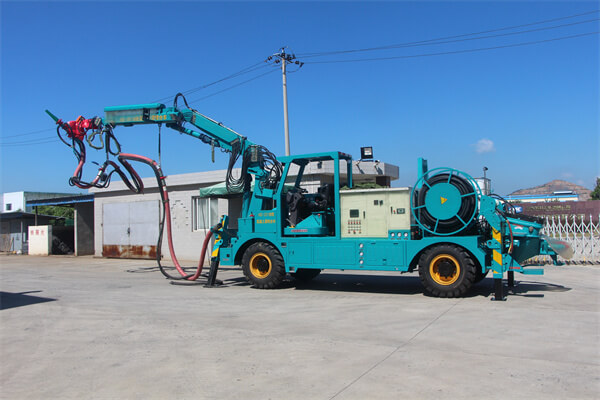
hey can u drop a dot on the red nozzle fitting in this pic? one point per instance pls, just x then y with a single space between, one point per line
79 127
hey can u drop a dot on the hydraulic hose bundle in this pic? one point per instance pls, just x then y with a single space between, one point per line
76 131
267 162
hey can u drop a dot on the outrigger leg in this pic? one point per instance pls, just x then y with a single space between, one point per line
511 279
498 290
219 231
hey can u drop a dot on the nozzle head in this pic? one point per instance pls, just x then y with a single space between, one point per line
54 117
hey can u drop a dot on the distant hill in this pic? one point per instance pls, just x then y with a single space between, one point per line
555 186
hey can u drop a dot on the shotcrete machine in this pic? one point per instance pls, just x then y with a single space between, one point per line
444 226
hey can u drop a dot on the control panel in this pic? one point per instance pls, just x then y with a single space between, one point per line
375 212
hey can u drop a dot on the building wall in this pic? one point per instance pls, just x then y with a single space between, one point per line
84 229
14 200
17 200
14 232
13 235
187 243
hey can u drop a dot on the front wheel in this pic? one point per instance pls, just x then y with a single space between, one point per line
263 265
446 270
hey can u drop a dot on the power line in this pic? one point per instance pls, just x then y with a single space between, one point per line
29 143
497 35
455 51
28 133
31 140
406 44
243 72
234 86
246 70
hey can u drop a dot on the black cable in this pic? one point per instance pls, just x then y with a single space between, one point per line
28 133
505 203
272 166
20 142
428 41
455 51
231 183
232 87
49 139
110 138
243 71
489 36
178 95
267 162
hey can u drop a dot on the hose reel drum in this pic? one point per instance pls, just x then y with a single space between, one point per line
444 201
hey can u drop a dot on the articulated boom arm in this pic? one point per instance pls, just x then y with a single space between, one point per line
209 131
256 159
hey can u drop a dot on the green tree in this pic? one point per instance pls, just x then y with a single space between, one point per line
596 192
57 211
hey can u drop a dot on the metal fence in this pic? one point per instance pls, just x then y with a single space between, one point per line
583 234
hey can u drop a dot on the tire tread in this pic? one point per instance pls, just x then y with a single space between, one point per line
466 263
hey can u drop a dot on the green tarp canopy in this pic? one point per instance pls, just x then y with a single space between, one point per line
220 190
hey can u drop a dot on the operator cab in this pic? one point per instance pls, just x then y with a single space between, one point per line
311 192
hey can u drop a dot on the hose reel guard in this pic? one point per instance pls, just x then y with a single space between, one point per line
444 201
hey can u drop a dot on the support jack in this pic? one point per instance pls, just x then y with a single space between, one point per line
212 275
498 290
511 279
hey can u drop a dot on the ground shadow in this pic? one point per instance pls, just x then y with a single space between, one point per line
12 300
173 270
383 284
386 284
201 281
521 288
411 285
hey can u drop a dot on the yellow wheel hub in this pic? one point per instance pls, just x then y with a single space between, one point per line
260 265
444 269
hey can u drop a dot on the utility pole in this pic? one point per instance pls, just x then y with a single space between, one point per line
286 122
284 58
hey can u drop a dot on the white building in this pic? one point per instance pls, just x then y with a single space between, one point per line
16 216
16 201
560 196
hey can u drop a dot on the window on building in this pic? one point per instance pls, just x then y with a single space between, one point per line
205 213
8 207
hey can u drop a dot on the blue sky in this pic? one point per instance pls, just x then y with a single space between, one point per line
529 113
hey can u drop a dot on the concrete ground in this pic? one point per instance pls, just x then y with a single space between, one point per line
86 328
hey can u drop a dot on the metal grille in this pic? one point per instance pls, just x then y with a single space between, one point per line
581 233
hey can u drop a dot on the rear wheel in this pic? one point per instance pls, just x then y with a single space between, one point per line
263 265
446 270
305 274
